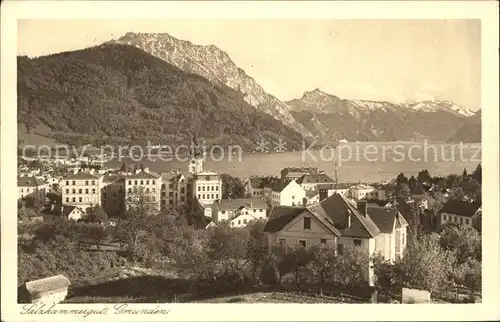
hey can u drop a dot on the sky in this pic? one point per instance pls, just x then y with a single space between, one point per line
391 60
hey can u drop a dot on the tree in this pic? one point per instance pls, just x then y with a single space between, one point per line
464 242
351 265
464 174
136 223
403 191
477 174
232 187
424 177
425 265
322 264
400 179
257 247
412 183
96 234
385 274
97 214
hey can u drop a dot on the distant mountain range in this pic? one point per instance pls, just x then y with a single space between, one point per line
317 114
154 86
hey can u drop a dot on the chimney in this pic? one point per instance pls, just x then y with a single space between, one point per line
348 219
137 171
362 207
146 170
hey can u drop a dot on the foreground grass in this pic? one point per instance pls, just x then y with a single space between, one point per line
276 297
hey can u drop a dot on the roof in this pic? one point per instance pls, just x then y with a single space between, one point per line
460 208
314 178
39 287
384 218
280 216
66 210
338 208
171 176
29 182
144 175
311 193
362 186
82 175
111 178
279 185
231 204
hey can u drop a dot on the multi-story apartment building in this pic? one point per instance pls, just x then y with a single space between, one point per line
113 194
313 180
174 191
82 189
362 191
207 187
143 183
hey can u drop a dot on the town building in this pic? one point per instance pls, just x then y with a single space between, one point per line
341 222
113 194
207 187
460 212
239 212
143 184
31 190
72 213
362 191
82 189
310 181
286 193
294 173
174 191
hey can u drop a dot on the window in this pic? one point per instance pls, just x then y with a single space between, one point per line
213 188
260 210
67 183
152 181
293 197
302 243
86 190
163 186
203 188
147 181
147 190
340 248
163 193
239 222
403 239
74 191
93 190
223 211
323 241
216 196
73 183
135 182
130 190
79 190
93 182
67 199
130 182
199 196
467 221
171 194
183 199
80 199
212 196
67 190
203 196
461 221
142 182
357 242
216 188
86 182
73 199
307 223
182 190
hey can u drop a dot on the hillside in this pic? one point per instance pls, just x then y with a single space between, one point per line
120 94
470 130
215 65
327 115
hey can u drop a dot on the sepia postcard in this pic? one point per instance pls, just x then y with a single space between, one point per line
177 161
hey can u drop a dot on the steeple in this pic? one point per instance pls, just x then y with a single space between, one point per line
195 157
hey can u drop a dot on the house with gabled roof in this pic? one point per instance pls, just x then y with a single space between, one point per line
33 188
460 212
72 213
239 211
374 229
285 193
310 181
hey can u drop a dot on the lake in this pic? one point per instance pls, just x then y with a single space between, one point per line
366 162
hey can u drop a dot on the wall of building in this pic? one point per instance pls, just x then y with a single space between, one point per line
292 195
463 221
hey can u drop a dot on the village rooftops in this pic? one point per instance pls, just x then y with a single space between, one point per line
262 182
108 178
82 175
460 208
144 174
362 187
233 204
279 185
29 182
314 178
38 288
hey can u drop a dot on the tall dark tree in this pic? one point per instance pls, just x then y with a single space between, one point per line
477 174
464 174
401 179
412 183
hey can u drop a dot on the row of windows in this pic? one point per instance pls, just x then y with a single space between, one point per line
202 196
145 190
80 199
28 189
258 193
141 182
214 188
146 198
303 243
80 191
461 221
86 183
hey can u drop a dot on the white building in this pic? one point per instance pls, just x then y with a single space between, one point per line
207 187
239 212
143 182
82 189
311 181
460 212
286 193
362 191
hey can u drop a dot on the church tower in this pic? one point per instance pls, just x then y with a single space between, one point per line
195 165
